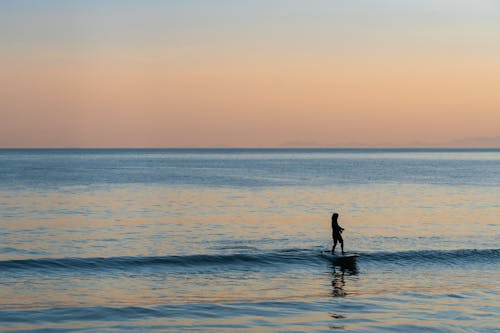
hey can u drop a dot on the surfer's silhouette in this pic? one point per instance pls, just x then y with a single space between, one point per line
336 233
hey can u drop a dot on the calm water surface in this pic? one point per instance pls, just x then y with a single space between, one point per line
231 240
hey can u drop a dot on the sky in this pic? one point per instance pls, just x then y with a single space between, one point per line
230 73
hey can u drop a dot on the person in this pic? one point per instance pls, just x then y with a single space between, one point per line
336 233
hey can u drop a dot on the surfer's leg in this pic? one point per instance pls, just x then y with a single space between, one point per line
334 244
341 240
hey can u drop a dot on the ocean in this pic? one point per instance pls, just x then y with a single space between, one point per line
230 240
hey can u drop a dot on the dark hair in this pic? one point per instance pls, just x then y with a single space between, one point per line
335 216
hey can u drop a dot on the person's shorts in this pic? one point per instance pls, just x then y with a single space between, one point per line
337 237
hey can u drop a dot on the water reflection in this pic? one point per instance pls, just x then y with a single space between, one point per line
339 270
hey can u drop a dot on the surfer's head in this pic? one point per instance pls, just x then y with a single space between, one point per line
335 216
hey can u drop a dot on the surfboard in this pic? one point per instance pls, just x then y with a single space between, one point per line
349 256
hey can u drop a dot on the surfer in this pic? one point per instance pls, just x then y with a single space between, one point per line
336 233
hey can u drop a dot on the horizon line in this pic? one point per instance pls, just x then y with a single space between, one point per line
261 148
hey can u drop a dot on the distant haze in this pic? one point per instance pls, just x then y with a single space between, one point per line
287 73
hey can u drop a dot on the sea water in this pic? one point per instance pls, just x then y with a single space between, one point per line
230 240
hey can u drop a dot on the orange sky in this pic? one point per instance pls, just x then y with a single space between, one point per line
292 75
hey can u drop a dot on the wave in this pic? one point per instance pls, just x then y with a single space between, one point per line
118 314
277 257
19 251
269 258
447 257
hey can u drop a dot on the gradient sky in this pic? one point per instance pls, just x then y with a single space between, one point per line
353 73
